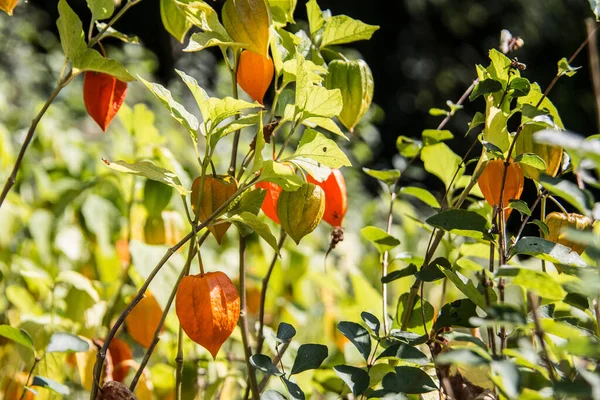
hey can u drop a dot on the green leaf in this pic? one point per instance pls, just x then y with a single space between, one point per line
358 335
181 115
404 353
309 356
174 19
433 136
389 176
532 160
220 109
433 271
48 383
547 250
441 161
409 338
357 379
505 314
285 332
485 87
149 170
265 364
101 9
91 215
565 69
520 87
408 147
478 120
342 29
415 322
293 389
582 200
462 222
371 321
492 149
467 287
392 276
17 335
380 238
438 112
409 380
321 102
203 16
541 283
251 221
315 151
280 174
63 342
324 123
463 356
282 11
251 201
543 227
111 32
73 43
202 40
315 17
422 194
520 206
457 313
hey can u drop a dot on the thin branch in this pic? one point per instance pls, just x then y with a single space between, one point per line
36 360
594 64
540 335
385 265
236 135
110 23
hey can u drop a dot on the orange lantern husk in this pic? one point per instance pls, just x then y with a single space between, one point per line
103 95
254 74
490 183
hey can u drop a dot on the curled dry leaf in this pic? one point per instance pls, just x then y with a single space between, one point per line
208 308
103 95
490 183
254 74
216 191
142 321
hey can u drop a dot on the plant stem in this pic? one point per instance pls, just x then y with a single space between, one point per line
179 361
594 64
540 335
486 285
244 320
462 99
236 135
385 264
36 360
110 23
276 360
12 179
263 294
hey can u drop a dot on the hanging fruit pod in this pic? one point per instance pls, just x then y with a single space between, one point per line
336 198
552 155
254 74
355 81
143 320
154 230
558 224
490 183
216 191
156 196
269 205
301 211
8 6
208 308
121 356
103 95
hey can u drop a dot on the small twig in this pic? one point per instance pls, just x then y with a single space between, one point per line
462 99
594 63
110 23
244 321
236 135
385 263
36 360
276 360
540 335
263 294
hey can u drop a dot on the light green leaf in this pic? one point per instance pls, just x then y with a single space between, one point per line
73 43
174 19
101 9
150 171
111 32
547 250
532 160
538 282
322 102
408 147
17 335
315 17
76 279
48 383
467 287
251 221
442 162
280 174
389 177
220 109
63 342
569 191
520 206
380 238
177 111
325 123
438 112
202 40
565 69
243 122
462 222
250 201
323 151
203 16
342 29
282 11
283 48
422 194
433 136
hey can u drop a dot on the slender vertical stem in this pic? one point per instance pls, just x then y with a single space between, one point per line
594 64
179 361
486 284
385 263
236 135
36 360
543 219
110 23
263 294
244 321
540 335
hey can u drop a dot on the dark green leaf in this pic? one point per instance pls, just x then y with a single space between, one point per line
422 194
251 221
18 335
357 379
492 149
519 86
433 271
543 227
371 321
358 335
380 239
505 314
410 338
520 206
310 356
409 380
415 322
251 201
285 332
484 87
392 276
405 353
48 383
462 222
293 389
469 357
467 287
265 364
547 250
63 342
389 177
532 160
457 313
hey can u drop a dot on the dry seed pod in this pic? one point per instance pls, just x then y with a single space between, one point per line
116 391
103 95
254 74
301 211
490 183
558 223
208 308
217 190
